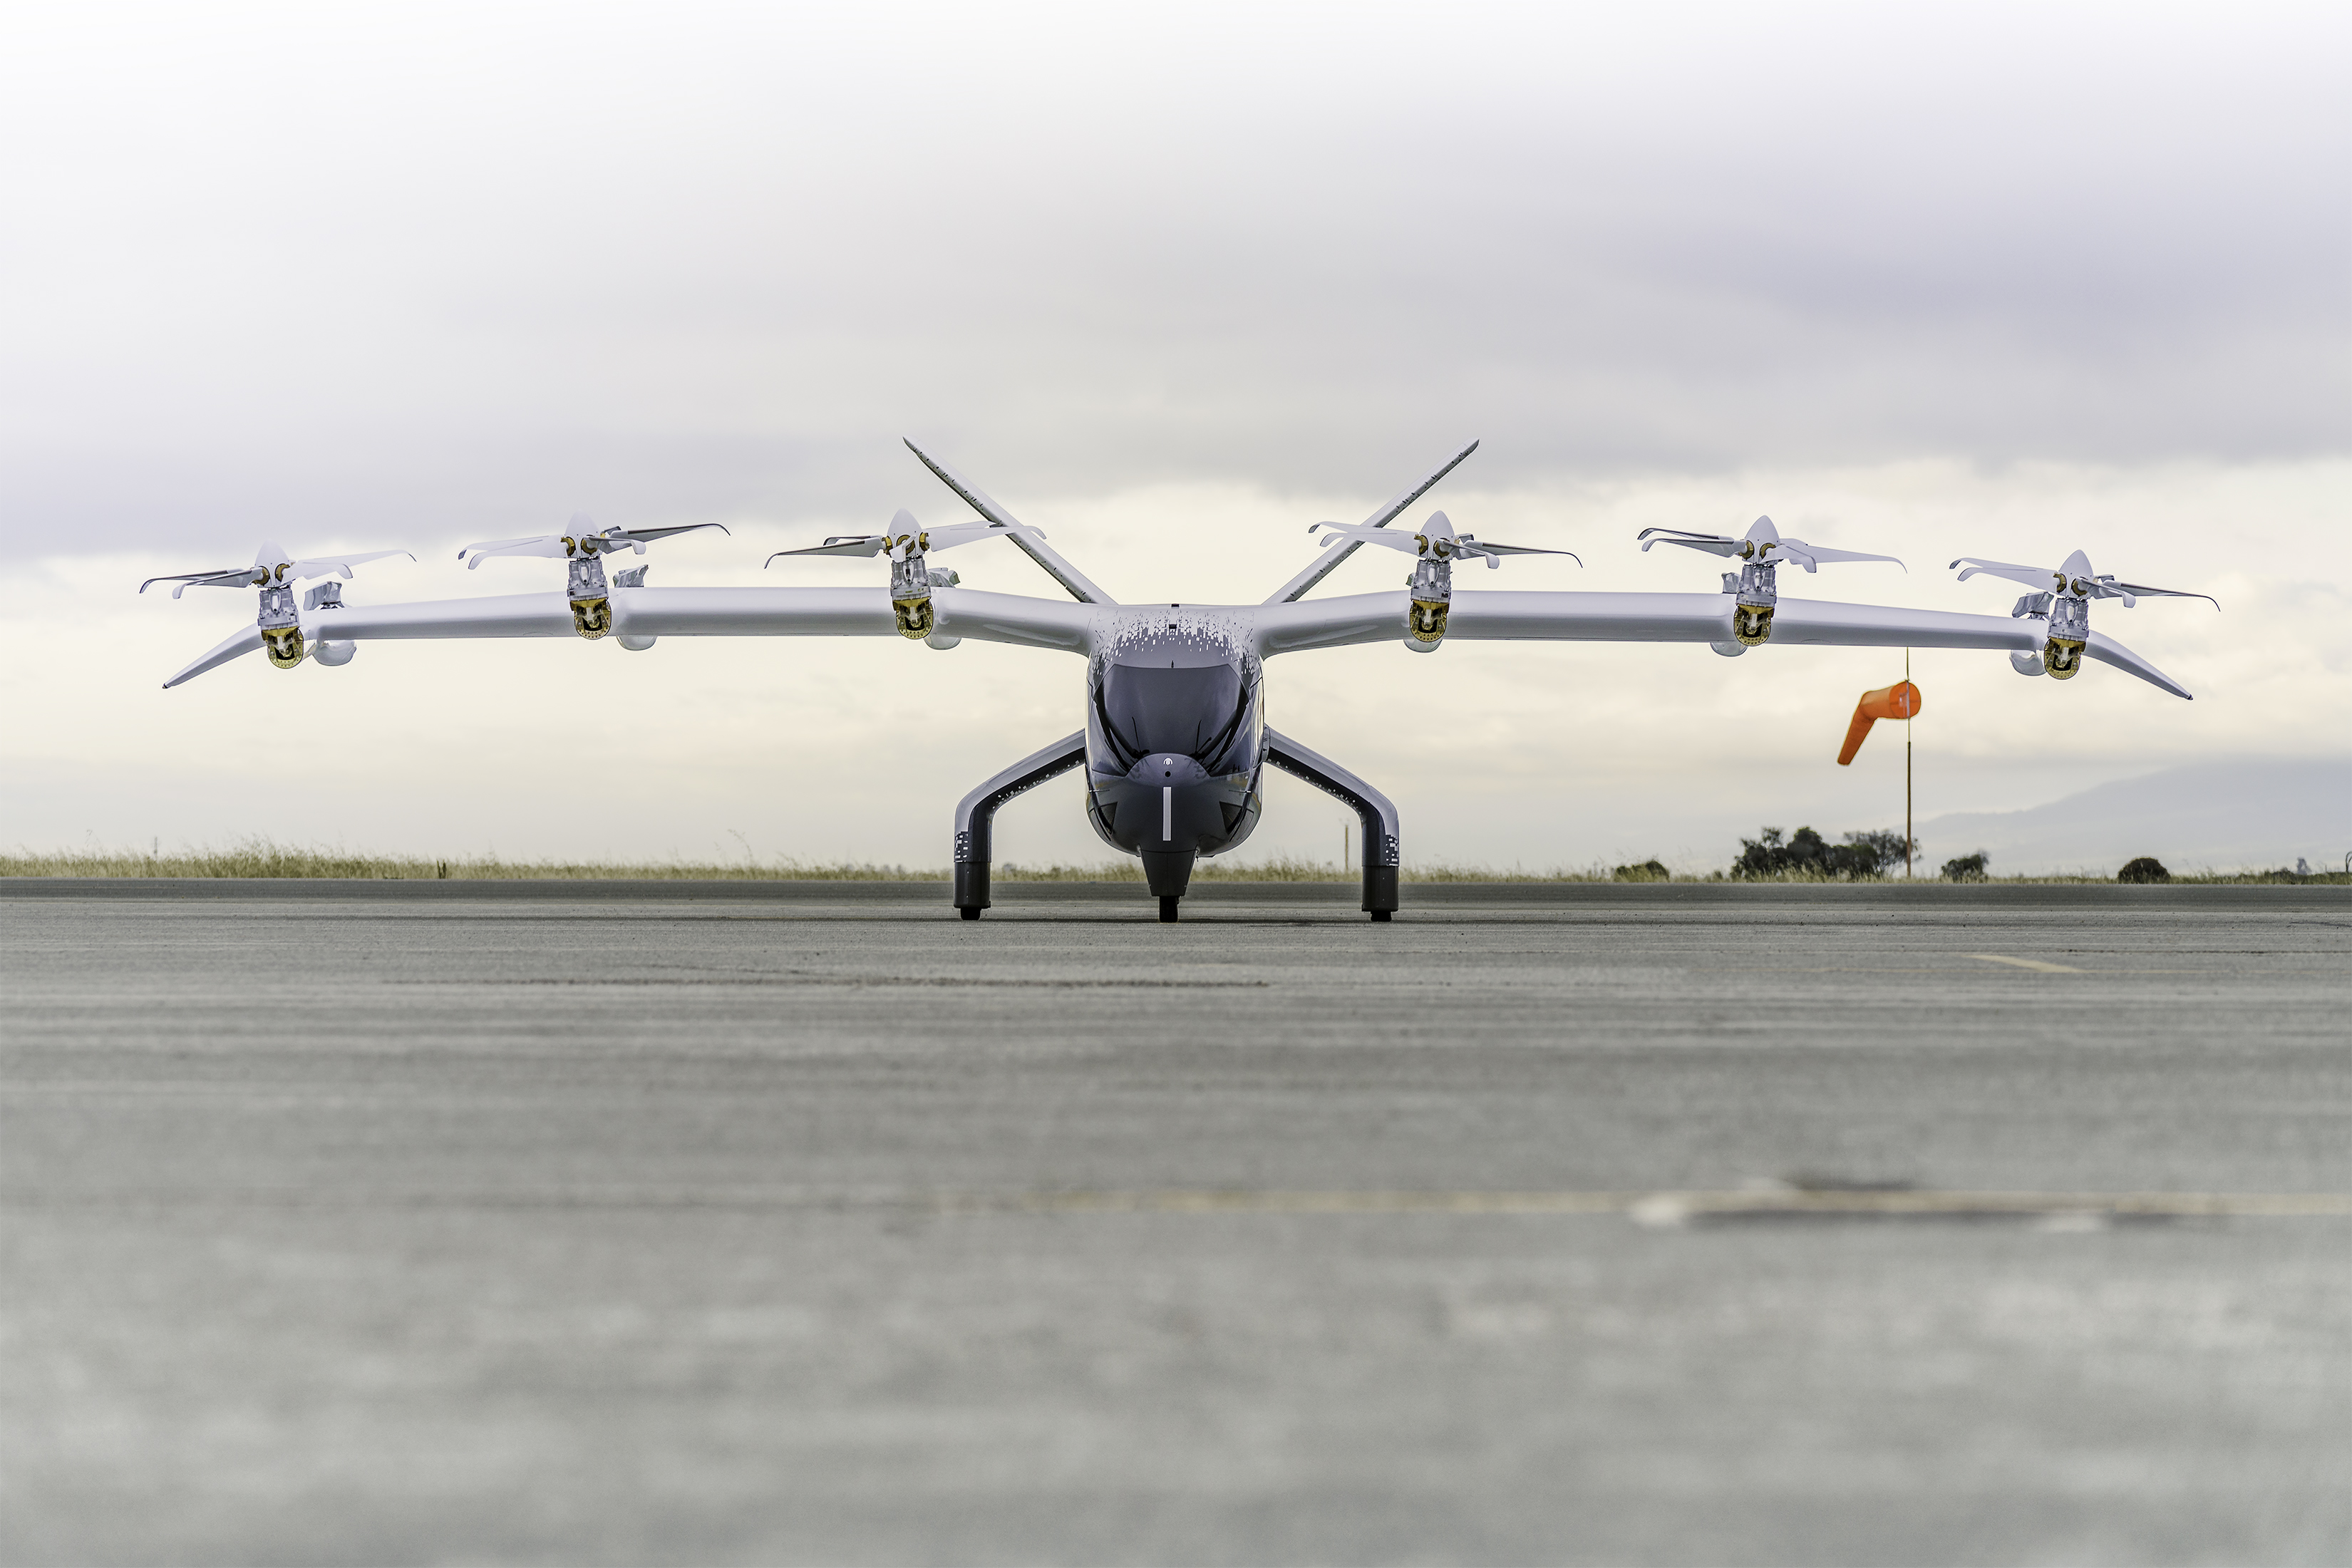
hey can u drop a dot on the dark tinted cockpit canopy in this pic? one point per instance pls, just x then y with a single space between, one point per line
1206 711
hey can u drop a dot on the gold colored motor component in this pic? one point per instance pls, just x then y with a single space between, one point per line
915 617
282 628
2061 657
910 591
1754 597
284 645
1431 584
590 595
591 619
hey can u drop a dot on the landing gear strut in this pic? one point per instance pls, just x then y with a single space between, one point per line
1372 808
976 813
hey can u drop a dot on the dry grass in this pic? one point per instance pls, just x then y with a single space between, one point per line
2059 879
264 857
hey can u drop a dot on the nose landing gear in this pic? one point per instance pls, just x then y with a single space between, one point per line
1169 873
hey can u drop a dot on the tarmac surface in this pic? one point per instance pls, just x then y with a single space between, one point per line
709 1223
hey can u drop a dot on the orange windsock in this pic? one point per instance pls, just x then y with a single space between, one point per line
1900 701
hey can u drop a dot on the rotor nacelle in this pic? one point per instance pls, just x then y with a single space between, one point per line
274 573
329 595
583 549
1754 588
2070 629
1434 551
912 577
2064 603
1755 594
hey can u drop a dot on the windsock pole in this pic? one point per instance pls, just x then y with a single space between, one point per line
1897 701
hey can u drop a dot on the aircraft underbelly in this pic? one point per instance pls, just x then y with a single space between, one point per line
1205 818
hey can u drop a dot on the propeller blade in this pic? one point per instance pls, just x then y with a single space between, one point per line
956 533
1712 543
1472 542
1362 533
1471 545
549 544
2032 576
2049 579
868 544
584 538
270 563
340 566
622 538
227 577
2106 588
1809 556
2167 593
931 539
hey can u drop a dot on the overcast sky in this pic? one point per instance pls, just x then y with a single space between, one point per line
1171 283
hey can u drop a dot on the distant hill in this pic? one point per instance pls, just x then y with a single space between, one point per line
2245 813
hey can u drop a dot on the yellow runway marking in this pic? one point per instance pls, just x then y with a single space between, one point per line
2033 964
1656 1206
1651 1207
1947 969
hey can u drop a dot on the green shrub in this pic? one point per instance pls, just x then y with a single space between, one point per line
1808 857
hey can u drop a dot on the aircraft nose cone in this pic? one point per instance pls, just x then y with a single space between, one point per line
1165 768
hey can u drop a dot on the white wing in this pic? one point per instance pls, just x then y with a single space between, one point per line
690 612
499 615
244 642
1013 618
1536 616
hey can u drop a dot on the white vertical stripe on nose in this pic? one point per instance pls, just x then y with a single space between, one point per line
1167 814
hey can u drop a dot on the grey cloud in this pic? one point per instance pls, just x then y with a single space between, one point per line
450 269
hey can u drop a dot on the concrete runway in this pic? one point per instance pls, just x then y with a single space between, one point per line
392 1222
